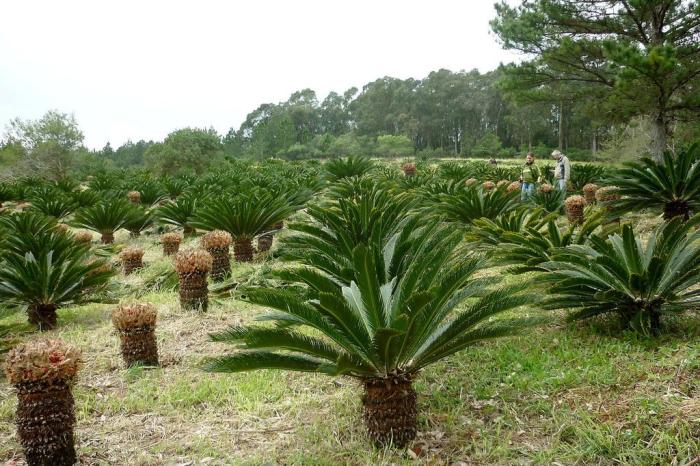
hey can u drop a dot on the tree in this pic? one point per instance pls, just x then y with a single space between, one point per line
630 57
394 146
49 143
188 149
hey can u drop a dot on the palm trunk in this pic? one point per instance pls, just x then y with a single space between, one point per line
194 291
139 346
243 250
43 316
107 238
676 208
45 420
389 410
221 263
265 242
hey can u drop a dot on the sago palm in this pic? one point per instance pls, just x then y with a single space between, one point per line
244 216
46 270
179 212
671 186
54 204
469 203
528 249
488 233
105 217
138 220
621 275
338 169
416 305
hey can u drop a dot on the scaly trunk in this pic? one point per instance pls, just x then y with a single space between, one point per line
221 263
43 316
45 420
243 250
194 291
264 242
676 208
107 238
139 346
389 410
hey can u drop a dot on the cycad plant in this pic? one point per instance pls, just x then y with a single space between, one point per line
621 275
548 198
468 203
583 174
47 269
138 220
407 305
671 186
526 250
105 218
337 169
54 204
488 233
179 213
244 216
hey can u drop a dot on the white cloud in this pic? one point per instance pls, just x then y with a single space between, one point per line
139 69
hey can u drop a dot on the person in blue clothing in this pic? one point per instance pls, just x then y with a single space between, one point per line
529 175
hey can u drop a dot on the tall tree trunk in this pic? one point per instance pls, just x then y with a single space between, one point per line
594 142
659 137
561 125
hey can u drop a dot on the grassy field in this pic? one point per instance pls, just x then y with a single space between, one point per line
559 395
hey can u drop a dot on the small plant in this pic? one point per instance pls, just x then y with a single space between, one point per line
409 169
217 244
488 185
171 243
138 220
338 169
574 206
134 197
607 194
136 325
192 267
83 237
105 218
514 186
132 259
42 372
179 213
589 191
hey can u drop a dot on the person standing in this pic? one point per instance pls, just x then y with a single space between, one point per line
529 175
562 170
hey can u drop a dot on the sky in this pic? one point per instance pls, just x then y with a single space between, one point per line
131 70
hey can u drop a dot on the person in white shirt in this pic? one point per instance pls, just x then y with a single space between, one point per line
562 170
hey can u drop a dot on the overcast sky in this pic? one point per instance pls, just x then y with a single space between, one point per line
140 69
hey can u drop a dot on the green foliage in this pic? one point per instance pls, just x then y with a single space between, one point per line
551 201
47 266
488 233
138 219
187 149
488 145
244 215
625 277
468 203
105 217
338 169
53 203
529 248
397 315
582 174
179 212
671 186
393 146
